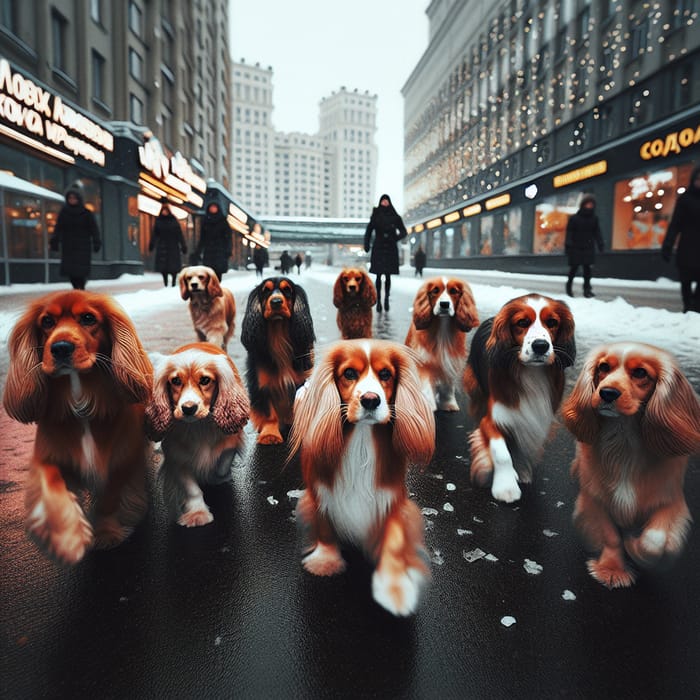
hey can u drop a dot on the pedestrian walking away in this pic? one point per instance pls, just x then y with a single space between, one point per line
297 262
215 241
168 241
77 236
685 223
419 261
260 259
389 229
582 236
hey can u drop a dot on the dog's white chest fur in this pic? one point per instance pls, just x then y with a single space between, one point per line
355 504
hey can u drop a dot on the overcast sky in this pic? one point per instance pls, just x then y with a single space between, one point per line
317 46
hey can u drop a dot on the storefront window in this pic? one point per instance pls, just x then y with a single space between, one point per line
512 228
465 248
551 217
644 206
24 226
437 253
486 237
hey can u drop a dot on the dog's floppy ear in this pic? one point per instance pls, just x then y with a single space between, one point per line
213 285
577 411
671 421
253 329
301 328
25 388
422 310
231 406
414 421
565 345
159 410
338 291
466 314
184 287
369 293
130 364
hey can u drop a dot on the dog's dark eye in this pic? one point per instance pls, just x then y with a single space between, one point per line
603 367
350 374
523 323
384 375
176 381
454 291
639 373
204 381
47 322
434 291
87 319
551 323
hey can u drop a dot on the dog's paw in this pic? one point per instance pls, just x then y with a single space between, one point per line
270 437
610 575
62 530
325 560
505 487
109 532
196 518
449 406
398 592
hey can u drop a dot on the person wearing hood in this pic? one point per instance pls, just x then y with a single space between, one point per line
582 235
168 241
389 229
215 240
77 235
685 222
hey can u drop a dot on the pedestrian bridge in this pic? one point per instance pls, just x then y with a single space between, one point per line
314 229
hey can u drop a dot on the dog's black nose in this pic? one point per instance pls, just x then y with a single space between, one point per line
276 302
62 349
444 305
193 285
609 395
189 409
370 401
539 346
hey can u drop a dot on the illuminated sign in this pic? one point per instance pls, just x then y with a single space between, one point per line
40 119
451 217
434 223
587 171
418 228
674 142
496 202
471 210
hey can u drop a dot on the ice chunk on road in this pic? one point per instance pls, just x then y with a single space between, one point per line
508 620
532 567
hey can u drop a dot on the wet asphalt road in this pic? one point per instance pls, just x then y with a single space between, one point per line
225 611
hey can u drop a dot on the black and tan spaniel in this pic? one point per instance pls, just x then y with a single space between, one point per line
636 419
78 370
198 412
515 380
354 296
360 423
278 333
212 307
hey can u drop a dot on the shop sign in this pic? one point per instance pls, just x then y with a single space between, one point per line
674 142
39 118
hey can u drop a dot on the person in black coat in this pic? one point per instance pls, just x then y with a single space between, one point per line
215 240
260 259
419 261
582 235
685 222
168 241
77 235
389 229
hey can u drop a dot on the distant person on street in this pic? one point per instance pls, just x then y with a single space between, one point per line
389 229
77 235
260 260
419 261
582 235
215 240
686 223
307 260
168 241
297 262
285 262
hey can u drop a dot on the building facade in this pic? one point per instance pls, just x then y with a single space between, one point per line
519 107
330 173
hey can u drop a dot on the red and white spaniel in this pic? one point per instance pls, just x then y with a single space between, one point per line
443 313
78 370
359 424
636 419
354 296
515 379
198 411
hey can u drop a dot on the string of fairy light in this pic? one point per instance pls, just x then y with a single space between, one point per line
529 74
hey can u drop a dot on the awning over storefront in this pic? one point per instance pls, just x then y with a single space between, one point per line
17 184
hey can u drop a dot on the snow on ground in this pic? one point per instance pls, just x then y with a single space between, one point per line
597 321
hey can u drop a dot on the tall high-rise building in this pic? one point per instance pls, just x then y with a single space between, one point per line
331 173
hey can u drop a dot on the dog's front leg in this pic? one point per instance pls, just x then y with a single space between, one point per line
55 520
322 555
195 511
505 479
402 569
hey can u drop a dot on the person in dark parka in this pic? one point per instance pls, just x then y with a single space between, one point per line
215 240
168 241
77 235
389 229
419 261
582 235
685 222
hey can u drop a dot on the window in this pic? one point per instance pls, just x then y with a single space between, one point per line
58 40
639 38
135 65
135 109
98 76
135 19
682 12
8 17
96 11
